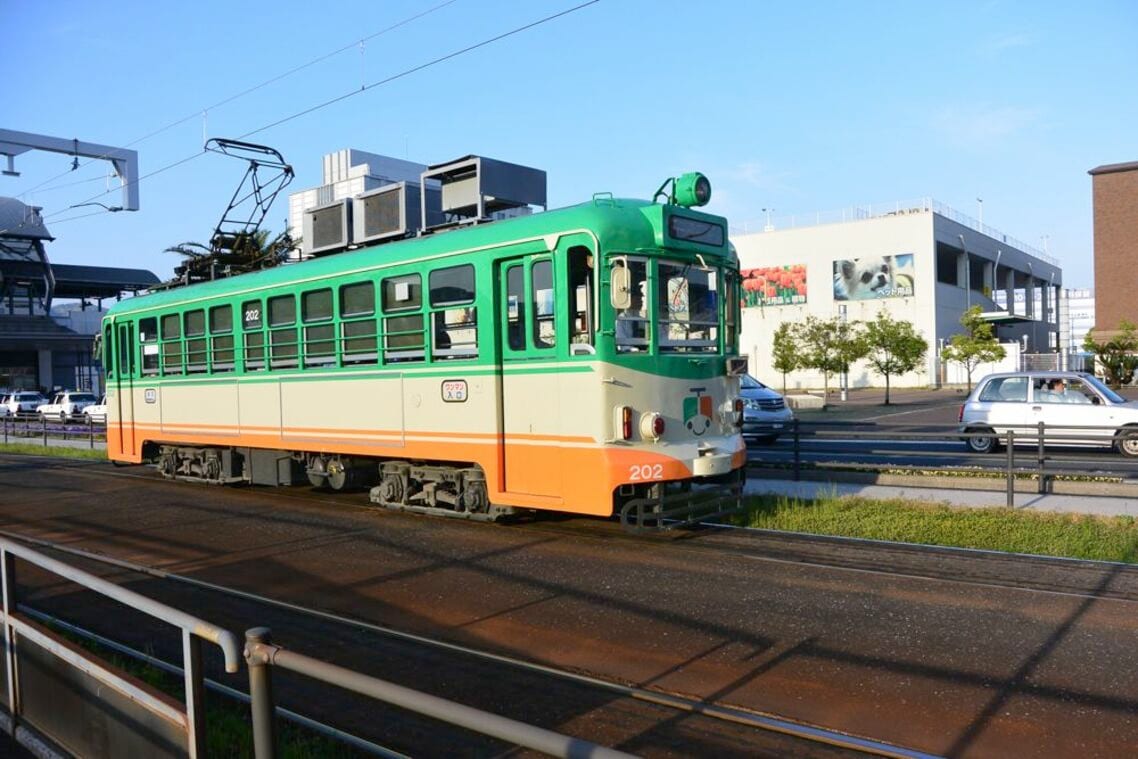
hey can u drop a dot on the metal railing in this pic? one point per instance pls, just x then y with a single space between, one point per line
1048 460
36 430
261 656
90 708
46 676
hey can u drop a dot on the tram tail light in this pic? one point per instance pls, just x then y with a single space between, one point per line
960 414
738 412
626 422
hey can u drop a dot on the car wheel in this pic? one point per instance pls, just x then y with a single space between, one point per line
1127 442
981 440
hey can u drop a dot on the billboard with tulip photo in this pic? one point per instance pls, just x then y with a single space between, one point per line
774 286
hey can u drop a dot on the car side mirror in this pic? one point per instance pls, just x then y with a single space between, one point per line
620 289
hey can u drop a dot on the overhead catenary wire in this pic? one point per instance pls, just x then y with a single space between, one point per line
339 98
237 96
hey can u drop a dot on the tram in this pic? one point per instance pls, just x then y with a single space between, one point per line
579 360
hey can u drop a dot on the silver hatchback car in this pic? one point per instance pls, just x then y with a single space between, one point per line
1074 408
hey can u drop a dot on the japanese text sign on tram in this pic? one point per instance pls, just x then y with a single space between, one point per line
454 391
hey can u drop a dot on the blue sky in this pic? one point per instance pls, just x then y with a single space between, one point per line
801 107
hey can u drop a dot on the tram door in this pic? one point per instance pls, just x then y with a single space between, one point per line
124 395
530 402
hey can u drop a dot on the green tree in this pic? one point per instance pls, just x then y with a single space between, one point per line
893 347
829 346
1116 354
785 350
975 346
230 254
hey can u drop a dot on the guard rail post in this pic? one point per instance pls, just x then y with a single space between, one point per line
1011 444
261 692
91 431
797 451
43 424
1042 475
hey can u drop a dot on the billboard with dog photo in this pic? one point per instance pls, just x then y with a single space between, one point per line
774 286
875 277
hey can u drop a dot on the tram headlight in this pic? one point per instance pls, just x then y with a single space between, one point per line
652 426
692 189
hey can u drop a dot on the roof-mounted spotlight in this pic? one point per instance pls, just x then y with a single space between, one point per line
688 190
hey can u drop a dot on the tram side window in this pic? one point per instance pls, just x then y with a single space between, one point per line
148 338
109 353
454 321
403 331
580 304
544 334
632 322
194 323
252 325
515 308
172 344
357 323
282 331
221 338
319 331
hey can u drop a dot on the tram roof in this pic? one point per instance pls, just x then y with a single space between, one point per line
619 221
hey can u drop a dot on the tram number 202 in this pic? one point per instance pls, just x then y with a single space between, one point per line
645 472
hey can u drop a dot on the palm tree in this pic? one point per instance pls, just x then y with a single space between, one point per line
230 254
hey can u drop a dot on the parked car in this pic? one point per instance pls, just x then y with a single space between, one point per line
765 413
66 405
96 412
23 402
1067 403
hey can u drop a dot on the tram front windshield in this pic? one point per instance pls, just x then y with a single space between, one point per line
680 299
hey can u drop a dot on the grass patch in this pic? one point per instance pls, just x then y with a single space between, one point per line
1079 536
52 450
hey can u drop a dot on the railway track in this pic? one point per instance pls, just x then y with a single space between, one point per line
933 572
802 736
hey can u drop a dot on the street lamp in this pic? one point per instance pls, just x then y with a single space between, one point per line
980 204
768 227
111 209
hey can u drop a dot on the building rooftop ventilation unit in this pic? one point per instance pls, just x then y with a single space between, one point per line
475 189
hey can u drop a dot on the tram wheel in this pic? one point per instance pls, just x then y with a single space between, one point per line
317 469
391 488
339 476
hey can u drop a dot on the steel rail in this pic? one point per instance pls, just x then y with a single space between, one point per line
769 723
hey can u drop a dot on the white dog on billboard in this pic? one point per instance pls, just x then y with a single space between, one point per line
875 277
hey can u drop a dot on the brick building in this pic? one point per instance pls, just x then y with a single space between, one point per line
1115 197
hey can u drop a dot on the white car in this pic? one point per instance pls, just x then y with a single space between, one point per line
66 405
23 402
765 413
1074 408
97 412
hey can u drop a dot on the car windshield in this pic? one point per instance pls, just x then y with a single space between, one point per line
750 383
82 397
1097 384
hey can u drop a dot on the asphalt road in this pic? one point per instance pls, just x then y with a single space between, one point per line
953 653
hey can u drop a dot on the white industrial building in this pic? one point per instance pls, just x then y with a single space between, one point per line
923 261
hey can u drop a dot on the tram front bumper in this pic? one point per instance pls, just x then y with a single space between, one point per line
711 464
